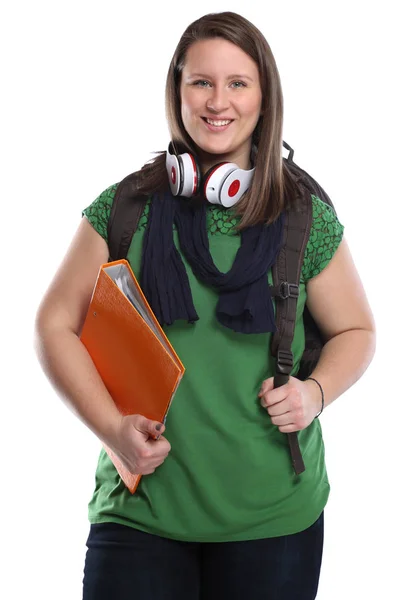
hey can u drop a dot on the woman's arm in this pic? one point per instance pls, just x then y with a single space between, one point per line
58 325
338 304
337 301
69 367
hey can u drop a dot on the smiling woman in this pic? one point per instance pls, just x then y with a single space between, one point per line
227 64
219 512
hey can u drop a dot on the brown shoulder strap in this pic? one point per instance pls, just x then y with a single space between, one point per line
126 210
286 276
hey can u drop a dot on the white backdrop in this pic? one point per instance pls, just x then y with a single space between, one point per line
83 106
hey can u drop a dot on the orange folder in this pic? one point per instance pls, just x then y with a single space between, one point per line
130 350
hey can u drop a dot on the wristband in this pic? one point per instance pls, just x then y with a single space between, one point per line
322 394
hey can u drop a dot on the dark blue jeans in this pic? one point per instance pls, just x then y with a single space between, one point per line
123 563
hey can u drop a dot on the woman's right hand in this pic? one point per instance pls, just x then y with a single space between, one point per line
136 445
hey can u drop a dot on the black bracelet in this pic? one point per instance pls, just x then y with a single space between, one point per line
322 393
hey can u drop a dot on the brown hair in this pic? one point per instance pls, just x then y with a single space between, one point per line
272 188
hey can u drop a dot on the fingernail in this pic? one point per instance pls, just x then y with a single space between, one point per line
158 426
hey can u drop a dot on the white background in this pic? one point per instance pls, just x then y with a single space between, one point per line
83 106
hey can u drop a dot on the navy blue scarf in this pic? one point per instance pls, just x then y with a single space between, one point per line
245 304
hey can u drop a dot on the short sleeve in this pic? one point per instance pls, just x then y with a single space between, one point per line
98 212
324 238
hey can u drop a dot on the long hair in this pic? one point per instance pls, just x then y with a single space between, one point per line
272 188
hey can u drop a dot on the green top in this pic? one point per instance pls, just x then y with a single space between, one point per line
228 476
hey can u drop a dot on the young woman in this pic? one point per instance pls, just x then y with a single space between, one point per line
219 512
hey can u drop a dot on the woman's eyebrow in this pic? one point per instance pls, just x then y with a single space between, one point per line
229 77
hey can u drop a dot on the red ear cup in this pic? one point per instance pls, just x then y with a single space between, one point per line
234 188
174 169
234 185
226 183
183 172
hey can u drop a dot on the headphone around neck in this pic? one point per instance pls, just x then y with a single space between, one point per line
223 184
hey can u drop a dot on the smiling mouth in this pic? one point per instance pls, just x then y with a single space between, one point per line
217 123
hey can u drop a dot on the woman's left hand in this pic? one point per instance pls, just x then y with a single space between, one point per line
292 406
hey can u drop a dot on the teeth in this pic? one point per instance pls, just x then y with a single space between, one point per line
217 123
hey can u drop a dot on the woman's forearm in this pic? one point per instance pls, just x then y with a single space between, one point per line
71 371
343 360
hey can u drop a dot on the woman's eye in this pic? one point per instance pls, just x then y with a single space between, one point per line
203 83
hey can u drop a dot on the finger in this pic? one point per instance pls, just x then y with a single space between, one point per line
266 386
283 420
291 421
278 409
149 426
160 447
274 396
160 428
290 428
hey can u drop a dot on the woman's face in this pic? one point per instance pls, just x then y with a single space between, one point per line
220 100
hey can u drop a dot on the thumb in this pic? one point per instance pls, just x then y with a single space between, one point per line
266 386
149 426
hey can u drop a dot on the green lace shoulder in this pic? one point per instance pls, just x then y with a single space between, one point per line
98 212
324 238
219 220
325 235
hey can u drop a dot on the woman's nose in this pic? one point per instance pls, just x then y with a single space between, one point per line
218 100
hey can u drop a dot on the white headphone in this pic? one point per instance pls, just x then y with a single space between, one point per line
223 184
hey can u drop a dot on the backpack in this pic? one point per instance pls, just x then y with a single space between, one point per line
126 211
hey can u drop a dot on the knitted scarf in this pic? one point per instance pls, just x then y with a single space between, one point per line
244 305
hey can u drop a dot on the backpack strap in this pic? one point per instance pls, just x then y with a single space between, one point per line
286 276
126 210
305 180
313 338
